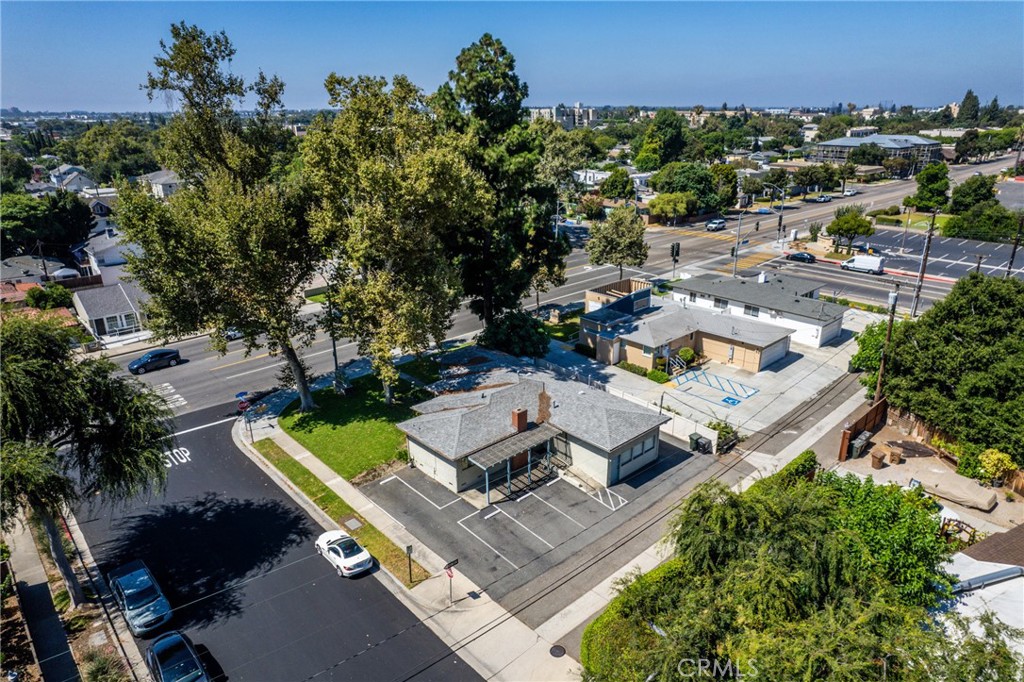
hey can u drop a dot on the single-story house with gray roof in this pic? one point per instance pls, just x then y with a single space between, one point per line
113 310
630 327
522 419
780 300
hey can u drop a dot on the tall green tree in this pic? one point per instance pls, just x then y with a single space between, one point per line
15 171
868 155
390 188
850 223
233 248
673 205
619 240
499 257
726 185
967 146
71 429
52 224
618 185
986 220
847 171
121 148
972 191
969 110
688 177
932 185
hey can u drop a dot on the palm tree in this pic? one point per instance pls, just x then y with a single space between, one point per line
847 171
71 429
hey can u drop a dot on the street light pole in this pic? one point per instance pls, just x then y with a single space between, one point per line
736 249
1016 244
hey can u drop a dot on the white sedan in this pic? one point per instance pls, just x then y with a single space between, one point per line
344 553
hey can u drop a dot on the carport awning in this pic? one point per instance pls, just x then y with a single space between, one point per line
512 446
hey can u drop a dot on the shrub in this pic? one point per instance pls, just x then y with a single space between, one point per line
518 333
61 601
635 369
726 431
103 666
657 376
887 220
584 349
687 355
815 230
997 465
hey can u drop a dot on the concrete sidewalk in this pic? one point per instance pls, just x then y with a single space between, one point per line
44 625
483 633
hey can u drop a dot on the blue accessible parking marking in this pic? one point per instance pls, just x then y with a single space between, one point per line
731 401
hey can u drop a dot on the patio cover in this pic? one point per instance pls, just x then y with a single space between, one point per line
513 445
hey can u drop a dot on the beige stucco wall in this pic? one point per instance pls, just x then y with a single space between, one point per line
585 459
438 468
744 356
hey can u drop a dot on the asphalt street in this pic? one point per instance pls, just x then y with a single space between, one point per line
235 556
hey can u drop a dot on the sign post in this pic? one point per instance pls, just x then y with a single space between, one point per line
408 554
448 569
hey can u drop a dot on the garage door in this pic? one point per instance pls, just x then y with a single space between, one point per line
774 352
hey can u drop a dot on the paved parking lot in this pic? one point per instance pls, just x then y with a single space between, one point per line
511 542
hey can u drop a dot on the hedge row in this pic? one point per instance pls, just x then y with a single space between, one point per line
635 369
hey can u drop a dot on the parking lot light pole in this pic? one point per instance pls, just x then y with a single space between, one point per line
736 249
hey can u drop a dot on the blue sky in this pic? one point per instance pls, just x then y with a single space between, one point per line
93 55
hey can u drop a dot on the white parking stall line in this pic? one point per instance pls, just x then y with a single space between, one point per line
432 503
493 513
559 511
615 500
526 528
484 542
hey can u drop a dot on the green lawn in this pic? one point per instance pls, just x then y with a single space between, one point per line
564 331
921 221
318 298
355 432
385 551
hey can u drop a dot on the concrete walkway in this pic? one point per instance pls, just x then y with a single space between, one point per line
482 632
51 643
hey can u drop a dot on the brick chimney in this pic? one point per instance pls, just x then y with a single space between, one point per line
519 420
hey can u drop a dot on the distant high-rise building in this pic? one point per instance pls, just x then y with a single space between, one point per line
576 117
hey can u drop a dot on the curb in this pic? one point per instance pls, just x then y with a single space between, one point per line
119 352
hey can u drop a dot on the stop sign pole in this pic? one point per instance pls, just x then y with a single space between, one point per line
448 569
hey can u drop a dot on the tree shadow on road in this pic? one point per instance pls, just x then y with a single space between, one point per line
202 549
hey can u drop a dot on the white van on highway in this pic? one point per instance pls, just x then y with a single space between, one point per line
871 264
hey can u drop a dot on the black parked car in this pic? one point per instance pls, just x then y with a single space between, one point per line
155 359
172 658
801 256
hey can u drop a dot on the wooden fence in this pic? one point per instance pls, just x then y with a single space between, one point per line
869 421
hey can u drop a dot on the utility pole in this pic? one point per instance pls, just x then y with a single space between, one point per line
924 264
977 268
1016 241
893 297
736 249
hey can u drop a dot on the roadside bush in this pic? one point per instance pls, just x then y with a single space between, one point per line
585 350
657 376
61 601
635 369
997 465
518 333
687 355
815 230
103 666
888 220
726 431
887 211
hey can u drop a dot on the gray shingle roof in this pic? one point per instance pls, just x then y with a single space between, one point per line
673 322
781 293
883 141
115 299
160 177
460 424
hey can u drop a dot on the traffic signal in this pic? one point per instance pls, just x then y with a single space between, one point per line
780 222
674 249
732 251
757 226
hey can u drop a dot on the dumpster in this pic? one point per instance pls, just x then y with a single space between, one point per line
694 441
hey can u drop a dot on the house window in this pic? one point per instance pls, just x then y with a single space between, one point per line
751 310
647 351
721 303
649 444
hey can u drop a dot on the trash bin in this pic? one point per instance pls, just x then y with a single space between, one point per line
694 441
704 445
877 460
858 444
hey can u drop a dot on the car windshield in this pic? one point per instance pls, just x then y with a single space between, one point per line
349 548
138 598
179 664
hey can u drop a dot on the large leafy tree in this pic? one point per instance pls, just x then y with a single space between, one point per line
53 223
499 256
795 579
726 185
932 185
232 249
971 192
120 148
70 429
618 185
987 220
619 240
14 170
673 205
390 189
960 366
688 177
869 154
850 223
